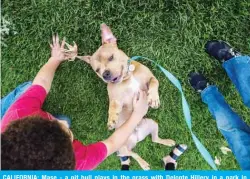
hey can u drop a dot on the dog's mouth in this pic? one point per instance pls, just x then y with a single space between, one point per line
118 78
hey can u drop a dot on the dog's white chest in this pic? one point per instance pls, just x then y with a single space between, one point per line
133 85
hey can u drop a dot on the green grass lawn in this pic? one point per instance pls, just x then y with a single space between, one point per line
172 32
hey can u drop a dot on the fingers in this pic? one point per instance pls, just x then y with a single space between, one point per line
57 48
142 95
57 39
67 56
75 46
137 95
68 45
63 43
140 104
67 50
135 98
71 49
53 39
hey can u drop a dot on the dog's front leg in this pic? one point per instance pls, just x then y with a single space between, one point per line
153 94
115 108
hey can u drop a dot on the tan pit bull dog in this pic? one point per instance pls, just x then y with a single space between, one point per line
124 81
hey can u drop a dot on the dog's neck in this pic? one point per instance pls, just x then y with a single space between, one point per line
129 71
127 76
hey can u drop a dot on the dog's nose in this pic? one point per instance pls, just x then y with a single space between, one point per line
106 75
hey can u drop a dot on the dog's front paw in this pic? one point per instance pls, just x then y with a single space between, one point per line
112 121
153 99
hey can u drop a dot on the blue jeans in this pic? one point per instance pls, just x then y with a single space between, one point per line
13 96
230 124
10 98
238 70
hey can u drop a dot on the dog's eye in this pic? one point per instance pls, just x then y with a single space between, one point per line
111 58
97 70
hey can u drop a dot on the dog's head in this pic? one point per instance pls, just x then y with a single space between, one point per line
109 62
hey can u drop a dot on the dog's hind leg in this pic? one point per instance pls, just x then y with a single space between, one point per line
155 137
144 165
126 153
125 164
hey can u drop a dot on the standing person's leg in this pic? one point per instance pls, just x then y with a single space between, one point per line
232 127
236 66
238 69
13 96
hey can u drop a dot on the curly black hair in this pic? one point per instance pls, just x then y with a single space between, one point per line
34 143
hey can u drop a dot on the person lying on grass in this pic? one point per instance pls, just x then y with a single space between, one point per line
33 139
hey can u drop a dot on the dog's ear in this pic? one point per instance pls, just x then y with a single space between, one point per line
85 58
107 35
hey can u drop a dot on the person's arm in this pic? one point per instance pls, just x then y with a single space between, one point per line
46 74
120 136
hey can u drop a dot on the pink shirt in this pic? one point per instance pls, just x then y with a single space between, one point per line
30 103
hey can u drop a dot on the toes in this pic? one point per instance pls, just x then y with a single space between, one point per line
149 101
146 166
111 125
155 104
153 101
171 142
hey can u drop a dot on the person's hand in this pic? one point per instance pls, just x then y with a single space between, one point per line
58 52
140 104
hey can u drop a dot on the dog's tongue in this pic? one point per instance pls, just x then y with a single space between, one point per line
107 35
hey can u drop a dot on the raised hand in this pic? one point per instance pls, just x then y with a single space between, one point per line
58 52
